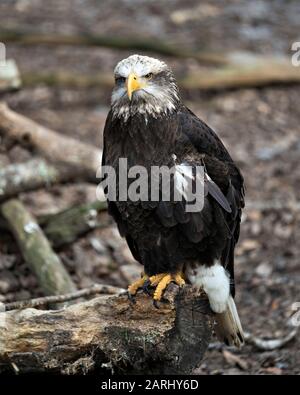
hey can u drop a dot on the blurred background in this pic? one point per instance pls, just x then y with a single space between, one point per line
233 62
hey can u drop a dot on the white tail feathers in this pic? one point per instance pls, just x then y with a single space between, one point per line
216 283
229 329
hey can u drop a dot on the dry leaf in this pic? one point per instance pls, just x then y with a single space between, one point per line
274 371
235 360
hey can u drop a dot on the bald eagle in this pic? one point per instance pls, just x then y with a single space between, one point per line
150 126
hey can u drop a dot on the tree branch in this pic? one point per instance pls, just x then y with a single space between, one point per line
244 70
116 42
48 300
83 158
270 344
29 176
36 250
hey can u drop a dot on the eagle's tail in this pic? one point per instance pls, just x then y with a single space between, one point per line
229 328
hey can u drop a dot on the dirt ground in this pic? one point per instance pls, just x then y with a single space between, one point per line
260 127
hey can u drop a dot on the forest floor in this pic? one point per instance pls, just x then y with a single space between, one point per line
260 127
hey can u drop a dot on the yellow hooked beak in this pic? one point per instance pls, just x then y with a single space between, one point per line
133 83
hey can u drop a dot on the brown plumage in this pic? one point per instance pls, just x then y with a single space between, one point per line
161 235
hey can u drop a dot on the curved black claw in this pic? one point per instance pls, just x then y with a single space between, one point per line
131 298
146 287
155 304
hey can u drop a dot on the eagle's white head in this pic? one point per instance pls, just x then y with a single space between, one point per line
143 85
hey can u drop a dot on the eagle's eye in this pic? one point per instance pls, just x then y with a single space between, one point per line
149 76
120 80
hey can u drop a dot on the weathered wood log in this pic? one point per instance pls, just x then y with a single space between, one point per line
36 250
68 225
109 333
83 158
116 42
29 176
68 79
245 70
9 75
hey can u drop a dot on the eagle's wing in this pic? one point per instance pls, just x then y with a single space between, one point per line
223 172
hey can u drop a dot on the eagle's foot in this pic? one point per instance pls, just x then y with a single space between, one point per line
158 281
133 288
161 281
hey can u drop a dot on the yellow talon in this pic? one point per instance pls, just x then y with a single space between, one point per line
160 281
165 280
133 288
155 280
162 285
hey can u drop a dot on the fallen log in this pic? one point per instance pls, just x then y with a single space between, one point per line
36 250
245 70
68 80
109 333
68 225
115 42
83 158
29 176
